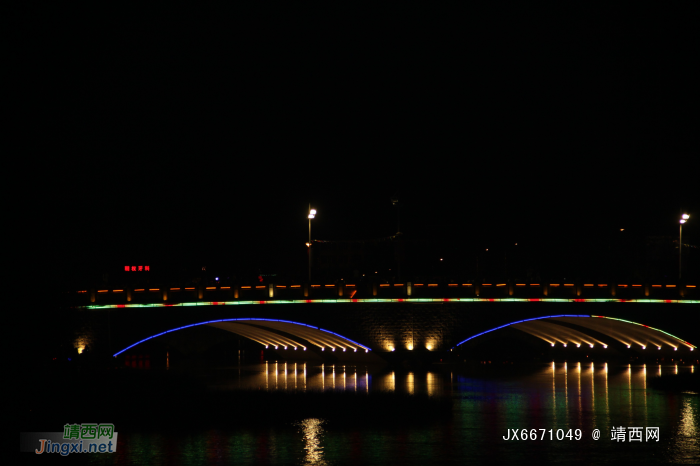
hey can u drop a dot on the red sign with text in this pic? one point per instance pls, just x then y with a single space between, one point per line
137 268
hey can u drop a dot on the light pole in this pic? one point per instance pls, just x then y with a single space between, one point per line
312 214
395 201
684 218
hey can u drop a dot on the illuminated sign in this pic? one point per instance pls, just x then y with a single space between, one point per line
137 268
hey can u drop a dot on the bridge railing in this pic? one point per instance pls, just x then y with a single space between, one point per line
271 291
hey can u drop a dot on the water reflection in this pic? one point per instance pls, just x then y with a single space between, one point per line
486 403
312 432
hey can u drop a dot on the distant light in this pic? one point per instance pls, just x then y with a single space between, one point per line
686 216
622 229
308 245
312 212
591 346
682 221
659 347
441 258
644 347
217 279
578 345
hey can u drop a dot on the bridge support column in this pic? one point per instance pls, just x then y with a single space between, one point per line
613 291
164 289
477 289
341 289
545 289
511 288
306 288
374 289
646 290
409 289
271 290
200 292
92 295
128 294
579 290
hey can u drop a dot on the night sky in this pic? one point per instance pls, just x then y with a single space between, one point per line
195 135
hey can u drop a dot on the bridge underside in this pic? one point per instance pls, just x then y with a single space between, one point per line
594 332
287 335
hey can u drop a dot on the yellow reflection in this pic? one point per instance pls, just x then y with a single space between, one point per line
593 391
629 377
267 376
554 392
644 377
430 378
580 408
688 426
312 431
410 383
566 386
607 398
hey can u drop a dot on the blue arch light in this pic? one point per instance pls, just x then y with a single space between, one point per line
513 323
232 320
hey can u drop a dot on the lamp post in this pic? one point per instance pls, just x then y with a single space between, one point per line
312 214
395 202
684 218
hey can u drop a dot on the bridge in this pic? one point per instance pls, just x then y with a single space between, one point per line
331 322
271 291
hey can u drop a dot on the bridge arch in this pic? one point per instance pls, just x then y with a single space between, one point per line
274 332
592 330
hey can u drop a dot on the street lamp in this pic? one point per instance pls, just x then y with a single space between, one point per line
312 214
684 218
395 202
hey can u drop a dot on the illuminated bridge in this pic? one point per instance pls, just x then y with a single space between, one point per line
330 323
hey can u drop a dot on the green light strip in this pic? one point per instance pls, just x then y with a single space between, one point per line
395 300
646 326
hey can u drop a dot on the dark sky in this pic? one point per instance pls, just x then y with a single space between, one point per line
200 134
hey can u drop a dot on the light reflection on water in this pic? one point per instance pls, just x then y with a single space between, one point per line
487 402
